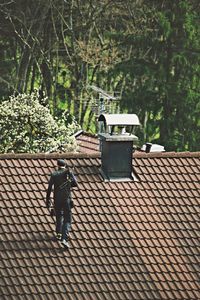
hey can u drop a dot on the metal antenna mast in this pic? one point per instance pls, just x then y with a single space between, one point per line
105 103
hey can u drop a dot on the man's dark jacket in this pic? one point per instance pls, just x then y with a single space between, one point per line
62 180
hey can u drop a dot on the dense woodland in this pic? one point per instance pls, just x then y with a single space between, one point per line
144 52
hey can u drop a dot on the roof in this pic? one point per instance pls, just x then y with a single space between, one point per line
87 142
130 240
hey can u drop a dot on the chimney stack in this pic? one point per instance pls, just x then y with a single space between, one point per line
117 146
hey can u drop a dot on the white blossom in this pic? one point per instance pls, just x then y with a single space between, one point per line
28 126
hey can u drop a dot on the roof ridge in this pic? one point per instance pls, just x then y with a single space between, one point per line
94 155
166 154
48 155
90 134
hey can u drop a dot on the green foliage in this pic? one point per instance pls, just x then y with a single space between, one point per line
161 74
28 126
145 51
165 25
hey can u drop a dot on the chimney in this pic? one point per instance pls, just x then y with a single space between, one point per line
117 146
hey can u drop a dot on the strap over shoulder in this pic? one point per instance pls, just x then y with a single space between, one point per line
73 180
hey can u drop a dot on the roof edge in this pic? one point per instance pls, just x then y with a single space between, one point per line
85 133
166 154
94 155
48 155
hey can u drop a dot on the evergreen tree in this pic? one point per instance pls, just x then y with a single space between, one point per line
161 73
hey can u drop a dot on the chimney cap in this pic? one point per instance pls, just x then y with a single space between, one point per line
119 119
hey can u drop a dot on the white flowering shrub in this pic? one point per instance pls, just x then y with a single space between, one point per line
28 126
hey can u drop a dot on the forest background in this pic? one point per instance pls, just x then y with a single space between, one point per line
146 53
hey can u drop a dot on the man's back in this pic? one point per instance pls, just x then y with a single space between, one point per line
61 181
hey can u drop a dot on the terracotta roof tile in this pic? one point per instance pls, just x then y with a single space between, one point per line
87 143
130 240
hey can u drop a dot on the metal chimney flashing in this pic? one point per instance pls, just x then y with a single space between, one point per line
116 179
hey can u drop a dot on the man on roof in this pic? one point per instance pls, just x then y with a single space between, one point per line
63 180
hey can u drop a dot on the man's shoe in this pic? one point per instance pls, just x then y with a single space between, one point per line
58 236
65 244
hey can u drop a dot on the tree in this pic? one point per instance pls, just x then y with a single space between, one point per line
59 47
147 51
28 126
161 70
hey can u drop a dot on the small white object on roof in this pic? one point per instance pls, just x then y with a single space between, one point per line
119 119
153 148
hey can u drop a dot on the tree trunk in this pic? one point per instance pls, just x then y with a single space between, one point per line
23 70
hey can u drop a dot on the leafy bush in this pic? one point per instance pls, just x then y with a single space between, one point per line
28 126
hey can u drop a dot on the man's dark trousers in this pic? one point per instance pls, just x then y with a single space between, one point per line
63 217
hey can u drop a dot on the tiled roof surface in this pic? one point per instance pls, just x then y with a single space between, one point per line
87 143
130 240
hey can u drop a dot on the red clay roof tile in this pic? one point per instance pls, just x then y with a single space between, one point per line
133 240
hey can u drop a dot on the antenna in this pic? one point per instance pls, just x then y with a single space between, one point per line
101 92
105 103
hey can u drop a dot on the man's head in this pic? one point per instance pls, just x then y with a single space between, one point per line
61 163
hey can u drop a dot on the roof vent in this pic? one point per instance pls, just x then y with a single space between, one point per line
149 147
111 121
117 145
